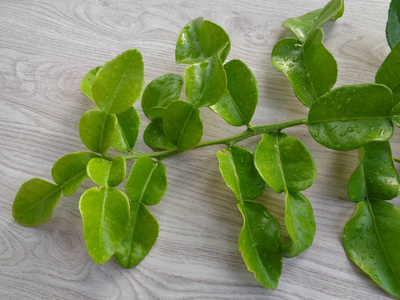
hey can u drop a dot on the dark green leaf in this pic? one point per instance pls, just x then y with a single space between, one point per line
350 116
260 243
395 115
205 82
70 170
393 24
107 173
119 83
371 240
97 129
139 239
105 217
300 224
155 138
356 188
127 130
239 102
147 181
302 64
159 93
237 168
284 163
35 202
182 125
87 82
199 40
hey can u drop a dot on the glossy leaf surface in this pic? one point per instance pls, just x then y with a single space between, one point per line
284 163
126 130
205 82
119 83
350 116
140 237
182 125
35 202
155 138
310 68
300 224
147 181
393 24
97 129
70 170
239 102
371 240
107 173
159 93
199 40
237 168
105 217
87 82
395 115
260 243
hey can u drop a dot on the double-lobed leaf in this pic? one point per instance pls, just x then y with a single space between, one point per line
393 24
155 138
239 102
199 40
107 173
348 117
395 115
126 130
87 82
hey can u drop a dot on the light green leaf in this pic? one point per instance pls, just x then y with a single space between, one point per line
239 102
119 83
284 163
87 82
237 168
348 117
155 138
159 93
147 181
107 173
389 73
199 40
371 240
96 129
260 243
302 64
105 217
300 224
70 170
205 82
182 125
139 239
126 131
35 202
393 24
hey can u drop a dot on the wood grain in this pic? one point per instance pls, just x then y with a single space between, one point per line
45 49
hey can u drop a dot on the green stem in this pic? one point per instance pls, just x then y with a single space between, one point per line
251 131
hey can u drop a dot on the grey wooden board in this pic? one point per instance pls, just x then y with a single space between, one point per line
47 46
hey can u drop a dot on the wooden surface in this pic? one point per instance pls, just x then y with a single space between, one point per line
47 46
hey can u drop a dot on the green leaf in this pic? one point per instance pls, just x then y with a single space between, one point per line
119 83
87 82
105 217
300 224
96 129
237 168
199 40
159 93
284 163
302 64
389 73
376 176
371 240
107 173
350 116
395 115
205 82
35 202
301 26
70 170
140 237
147 181
182 125
260 243
127 130
155 138
393 24
239 102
